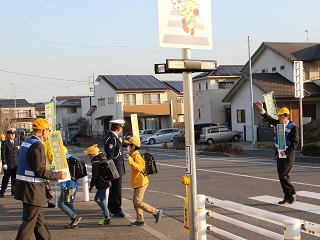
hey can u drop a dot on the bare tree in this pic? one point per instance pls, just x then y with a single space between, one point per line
7 118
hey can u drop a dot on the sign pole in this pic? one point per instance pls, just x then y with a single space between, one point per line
189 129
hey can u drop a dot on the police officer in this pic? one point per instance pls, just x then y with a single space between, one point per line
285 158
9 156
113 150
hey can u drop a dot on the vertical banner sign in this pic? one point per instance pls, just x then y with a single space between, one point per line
188 160
135 125
271 105
50 114
185 24
281 129
59 157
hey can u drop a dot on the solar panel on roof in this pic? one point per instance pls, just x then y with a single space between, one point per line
134 82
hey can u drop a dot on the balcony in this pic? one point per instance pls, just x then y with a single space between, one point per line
149 109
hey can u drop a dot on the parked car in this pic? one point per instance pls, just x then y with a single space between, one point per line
163 135
210 135
126 136
74 137
197 130
146 132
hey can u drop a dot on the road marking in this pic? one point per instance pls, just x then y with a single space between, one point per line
239 175
311 208
309 194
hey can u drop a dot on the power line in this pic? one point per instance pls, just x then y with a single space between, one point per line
30 75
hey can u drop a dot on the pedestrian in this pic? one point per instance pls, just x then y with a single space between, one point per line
2 138
139 183
49 156
67 196
113 150
285 158
31 180
102 186
9 156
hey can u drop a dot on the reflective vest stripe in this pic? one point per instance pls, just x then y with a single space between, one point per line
30 179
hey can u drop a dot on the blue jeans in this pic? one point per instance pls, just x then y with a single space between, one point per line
100 199
68 209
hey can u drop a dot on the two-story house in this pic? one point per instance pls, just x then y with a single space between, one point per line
272 67
175 96
18 113
209 89
119 96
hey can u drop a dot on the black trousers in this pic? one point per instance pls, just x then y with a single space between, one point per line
284 166
33 222
115 196
5 179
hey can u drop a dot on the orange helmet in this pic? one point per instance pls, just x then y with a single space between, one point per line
283 110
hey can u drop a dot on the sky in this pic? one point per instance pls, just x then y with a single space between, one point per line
58 47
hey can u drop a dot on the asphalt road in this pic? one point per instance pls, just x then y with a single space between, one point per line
249 179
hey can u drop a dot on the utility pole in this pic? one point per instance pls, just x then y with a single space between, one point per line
15 110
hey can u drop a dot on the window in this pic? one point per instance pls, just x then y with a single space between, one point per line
151 98
241 117
101 102
213 130
207 87
274 69
282 67
319 72
71 110
129 99
199 87
225 85
199 113
224 129
307 73
265 70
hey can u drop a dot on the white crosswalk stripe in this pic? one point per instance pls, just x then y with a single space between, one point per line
309 194
311 208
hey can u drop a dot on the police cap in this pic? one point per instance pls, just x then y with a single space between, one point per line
11 131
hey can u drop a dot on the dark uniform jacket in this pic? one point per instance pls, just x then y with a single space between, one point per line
96 180
34 194
113 150
9 154
292 137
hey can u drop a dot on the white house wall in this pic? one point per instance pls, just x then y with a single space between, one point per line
269 59
241 101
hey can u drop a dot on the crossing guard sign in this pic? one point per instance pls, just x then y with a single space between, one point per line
185 24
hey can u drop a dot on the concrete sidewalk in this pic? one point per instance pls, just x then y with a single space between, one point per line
167 228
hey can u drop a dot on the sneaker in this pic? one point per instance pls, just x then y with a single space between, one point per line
107 222
71 226
158 216
102 221
75 221
137 224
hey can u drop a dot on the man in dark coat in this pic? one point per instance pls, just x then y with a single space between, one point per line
31 182
285 158
9 156
113 150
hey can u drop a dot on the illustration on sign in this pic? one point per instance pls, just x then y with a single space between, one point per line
185 23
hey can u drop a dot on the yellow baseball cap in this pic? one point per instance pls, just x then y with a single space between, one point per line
92 150
40 124
134 141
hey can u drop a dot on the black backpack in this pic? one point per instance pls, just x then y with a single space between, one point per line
150 164
108 170
77 168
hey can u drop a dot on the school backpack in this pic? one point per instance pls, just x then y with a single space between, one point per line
108 170
77 168
150 164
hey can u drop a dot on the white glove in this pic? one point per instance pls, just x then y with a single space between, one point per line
5 167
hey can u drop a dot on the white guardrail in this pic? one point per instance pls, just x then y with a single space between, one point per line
292 226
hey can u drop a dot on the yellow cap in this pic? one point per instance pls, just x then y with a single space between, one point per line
40 124
2 136
134 140
283 110
92 150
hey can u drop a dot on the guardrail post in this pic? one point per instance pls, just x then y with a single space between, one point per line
292 229
202 213
85 187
